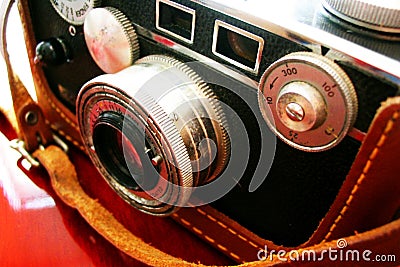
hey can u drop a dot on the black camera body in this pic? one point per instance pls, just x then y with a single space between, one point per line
239 52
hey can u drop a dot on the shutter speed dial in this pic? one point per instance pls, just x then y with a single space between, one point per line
308 101
74 11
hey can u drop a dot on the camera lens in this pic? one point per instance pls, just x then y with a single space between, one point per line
125 155
155 131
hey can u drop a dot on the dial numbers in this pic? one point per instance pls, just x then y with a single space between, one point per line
308 101
74 11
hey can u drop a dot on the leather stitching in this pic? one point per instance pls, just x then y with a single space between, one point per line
62 114
67 137
207 237
382 140
232 231
38 82
65 118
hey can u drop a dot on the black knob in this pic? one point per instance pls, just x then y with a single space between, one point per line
53 51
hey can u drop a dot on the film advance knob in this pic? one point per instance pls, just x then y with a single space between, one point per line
111 39
308 101
373 14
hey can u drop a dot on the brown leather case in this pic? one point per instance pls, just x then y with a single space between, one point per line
60 118
363 212
369 198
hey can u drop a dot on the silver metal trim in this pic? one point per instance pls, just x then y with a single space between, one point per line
106 87
198 57
19 145
379 15
341 110
182 8
260 40
241 77
302 30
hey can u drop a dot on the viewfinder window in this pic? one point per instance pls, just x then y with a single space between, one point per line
176 20
237 46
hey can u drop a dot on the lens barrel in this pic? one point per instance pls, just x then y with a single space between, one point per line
155 131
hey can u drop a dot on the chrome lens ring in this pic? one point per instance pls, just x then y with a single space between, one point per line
181 124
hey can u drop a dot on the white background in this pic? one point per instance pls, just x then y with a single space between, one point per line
19 59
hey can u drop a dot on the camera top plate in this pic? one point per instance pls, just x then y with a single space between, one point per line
308 23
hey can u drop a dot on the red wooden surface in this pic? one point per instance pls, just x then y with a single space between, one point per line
37 229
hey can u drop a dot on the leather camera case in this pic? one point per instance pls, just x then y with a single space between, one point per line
363 212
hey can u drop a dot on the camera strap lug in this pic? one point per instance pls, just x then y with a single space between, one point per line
19 145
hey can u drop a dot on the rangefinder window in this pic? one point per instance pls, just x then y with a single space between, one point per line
176 20
237 46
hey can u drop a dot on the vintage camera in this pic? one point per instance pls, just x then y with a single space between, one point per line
263 105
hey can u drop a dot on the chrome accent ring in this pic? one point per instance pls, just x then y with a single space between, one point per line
326 67
376 15
129 31
140 99
206 93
